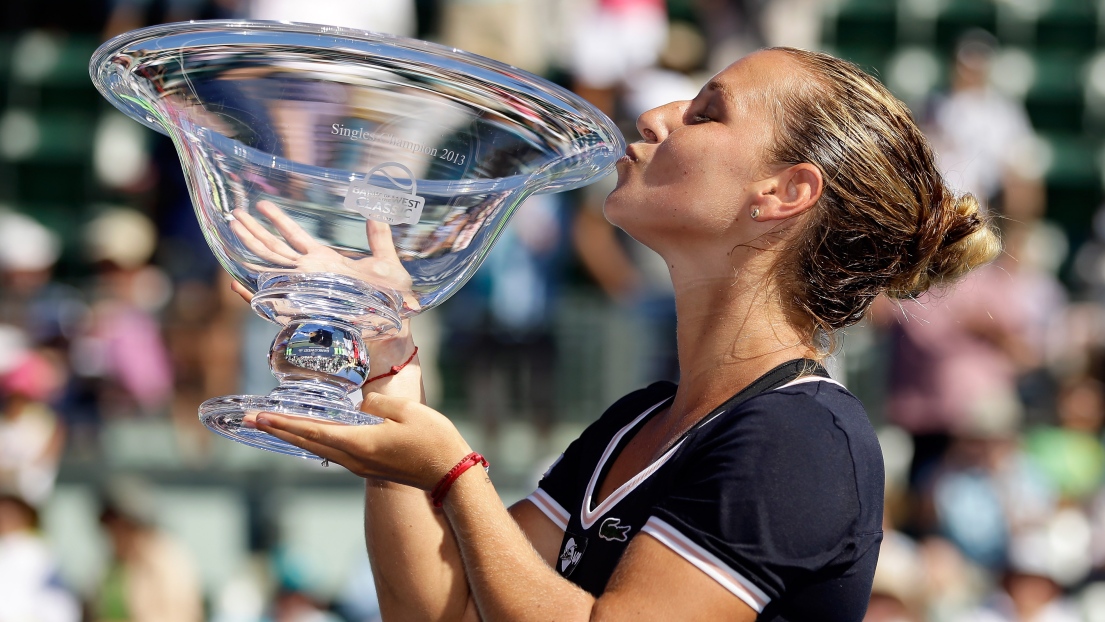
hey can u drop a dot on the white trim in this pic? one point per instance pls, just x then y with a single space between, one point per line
544 502
806 379
707 562
589 517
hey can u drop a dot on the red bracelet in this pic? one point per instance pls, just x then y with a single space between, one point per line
395 369
443 486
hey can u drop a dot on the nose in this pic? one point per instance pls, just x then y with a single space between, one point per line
655 125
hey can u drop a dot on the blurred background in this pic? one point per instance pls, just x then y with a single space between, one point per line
116 322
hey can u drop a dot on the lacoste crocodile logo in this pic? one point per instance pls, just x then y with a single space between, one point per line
612 530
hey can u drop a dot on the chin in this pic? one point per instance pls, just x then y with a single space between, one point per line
618 210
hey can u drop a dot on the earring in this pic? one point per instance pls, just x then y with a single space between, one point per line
755 213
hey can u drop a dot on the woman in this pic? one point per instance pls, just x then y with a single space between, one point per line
785 197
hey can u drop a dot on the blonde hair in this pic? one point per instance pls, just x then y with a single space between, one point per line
885 222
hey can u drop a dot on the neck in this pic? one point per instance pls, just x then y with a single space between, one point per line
731 330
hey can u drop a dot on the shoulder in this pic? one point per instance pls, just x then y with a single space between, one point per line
807 446
800 411
783 488
803 412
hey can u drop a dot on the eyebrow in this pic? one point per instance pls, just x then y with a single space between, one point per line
726 92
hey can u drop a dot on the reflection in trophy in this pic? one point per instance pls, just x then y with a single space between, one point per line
348 179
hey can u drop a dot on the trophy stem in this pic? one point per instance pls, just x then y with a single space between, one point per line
319 355
284 296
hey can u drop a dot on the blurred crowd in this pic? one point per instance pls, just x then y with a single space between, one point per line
989 398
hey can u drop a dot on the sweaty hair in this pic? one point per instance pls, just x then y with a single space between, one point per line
885 222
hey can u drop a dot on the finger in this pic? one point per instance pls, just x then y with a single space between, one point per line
258 230
299 239
398 409
380 241
257 248
334 435
273 425
241 290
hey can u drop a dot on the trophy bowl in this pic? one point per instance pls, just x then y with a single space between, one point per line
348 179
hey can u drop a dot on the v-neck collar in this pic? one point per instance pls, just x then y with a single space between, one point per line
589 516
782 375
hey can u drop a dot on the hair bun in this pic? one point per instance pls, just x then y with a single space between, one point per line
958 239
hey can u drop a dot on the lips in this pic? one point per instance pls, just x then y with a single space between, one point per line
632 153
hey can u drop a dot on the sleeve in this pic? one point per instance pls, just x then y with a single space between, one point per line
559 485
765 502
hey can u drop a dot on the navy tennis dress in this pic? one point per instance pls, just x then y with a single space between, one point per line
777 495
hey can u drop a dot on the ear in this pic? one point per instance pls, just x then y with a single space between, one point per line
789 192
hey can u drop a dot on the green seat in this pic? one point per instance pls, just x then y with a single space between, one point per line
1056 102
959 16
1068 25
65 183
5 60
871 59
1073 159
866 24
49 72
39 58
65 136
1074 183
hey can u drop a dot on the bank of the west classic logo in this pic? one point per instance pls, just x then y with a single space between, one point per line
398 205
571 552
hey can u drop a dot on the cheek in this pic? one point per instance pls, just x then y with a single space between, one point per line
684 189
674 166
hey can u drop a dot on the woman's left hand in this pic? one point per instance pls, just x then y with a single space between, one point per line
414 446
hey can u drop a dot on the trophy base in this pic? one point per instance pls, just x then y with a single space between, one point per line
224 415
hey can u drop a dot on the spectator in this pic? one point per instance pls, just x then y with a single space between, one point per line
31 435
984 140
30 588
123 346
151 578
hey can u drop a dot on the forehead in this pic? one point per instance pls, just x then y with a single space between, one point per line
754 79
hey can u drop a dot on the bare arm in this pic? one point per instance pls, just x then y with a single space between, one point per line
504 554
415 559
511 583
414 555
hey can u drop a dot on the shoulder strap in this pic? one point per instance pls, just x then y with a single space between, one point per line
777 377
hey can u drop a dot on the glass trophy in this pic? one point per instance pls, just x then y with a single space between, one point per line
348 179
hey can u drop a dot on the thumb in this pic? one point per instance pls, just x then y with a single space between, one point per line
398 409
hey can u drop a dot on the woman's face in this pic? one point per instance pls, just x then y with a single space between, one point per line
691 179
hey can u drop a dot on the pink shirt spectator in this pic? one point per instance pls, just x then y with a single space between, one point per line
954 370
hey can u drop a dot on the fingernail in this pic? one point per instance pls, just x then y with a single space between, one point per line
246 423
261 420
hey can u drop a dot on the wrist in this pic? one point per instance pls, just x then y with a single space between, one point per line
471 463
391 351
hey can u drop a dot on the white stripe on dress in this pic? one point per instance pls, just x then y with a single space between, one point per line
805 379
707 562
544 502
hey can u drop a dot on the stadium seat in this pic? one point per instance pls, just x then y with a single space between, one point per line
960 16
871 59
869 24
1055 102
1068 25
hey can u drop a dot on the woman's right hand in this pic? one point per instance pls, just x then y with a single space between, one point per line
300 252
295 250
